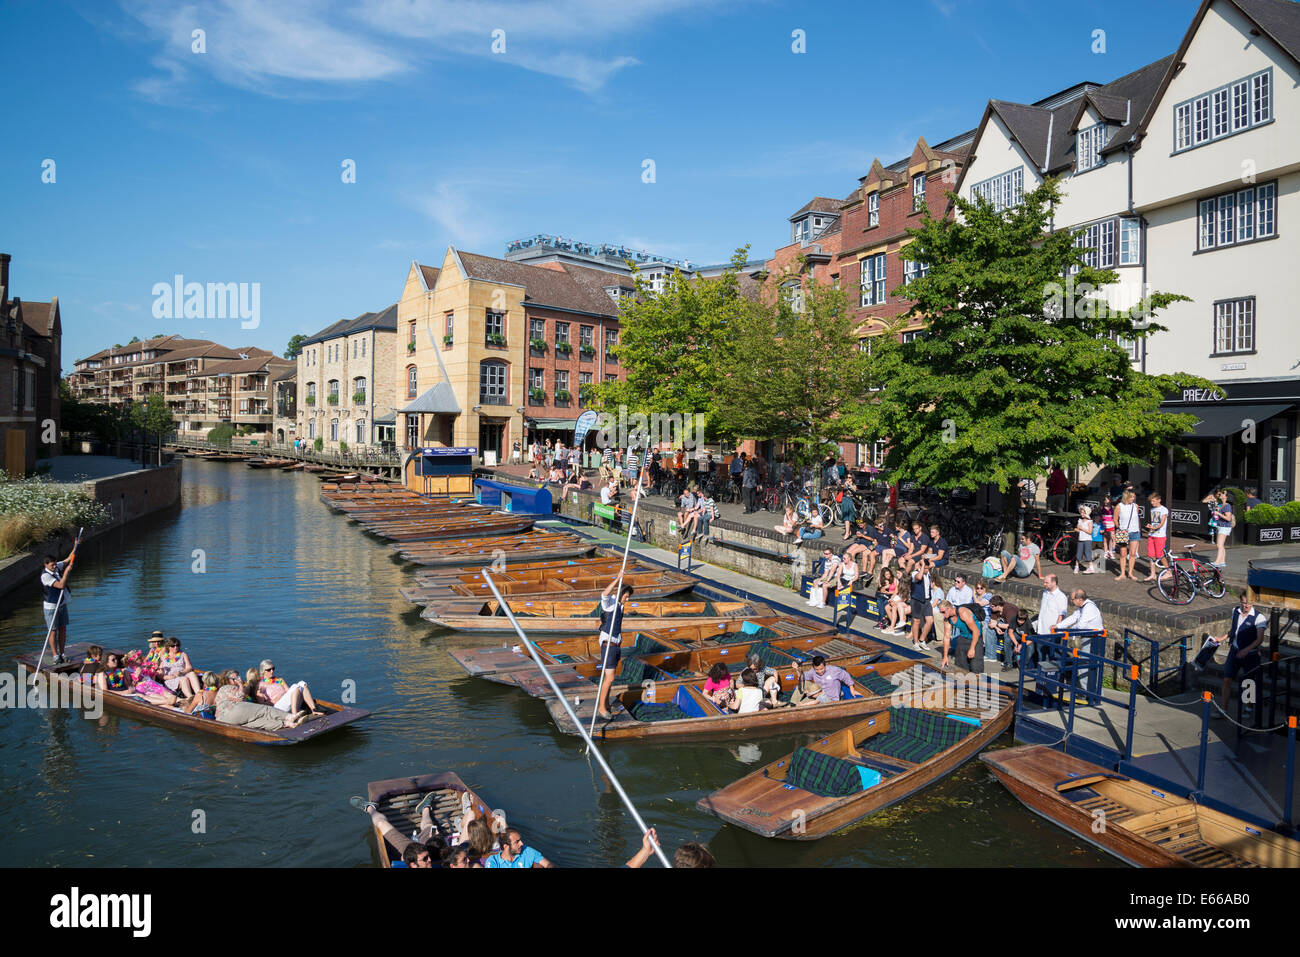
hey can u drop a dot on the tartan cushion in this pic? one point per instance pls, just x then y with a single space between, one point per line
876 684
917 735
633 671
822 774
651 711
645 645
763 634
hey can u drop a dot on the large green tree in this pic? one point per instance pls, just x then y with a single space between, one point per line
295 346
676 345
1020 364
153 416
800 373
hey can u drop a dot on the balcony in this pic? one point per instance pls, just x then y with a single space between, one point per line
493 400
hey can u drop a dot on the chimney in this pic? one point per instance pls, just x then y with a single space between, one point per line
4 277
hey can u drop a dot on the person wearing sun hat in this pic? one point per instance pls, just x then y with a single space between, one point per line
155 653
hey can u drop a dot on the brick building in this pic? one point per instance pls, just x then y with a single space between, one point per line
30 360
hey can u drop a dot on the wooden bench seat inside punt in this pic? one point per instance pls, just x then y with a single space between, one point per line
480 551
454 527
470 599
336 715
397 799
678 707
1145 826
901 748
665 648
598 564
551 618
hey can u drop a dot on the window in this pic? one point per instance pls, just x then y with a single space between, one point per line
918 190
1130 242
561 380
311 429
611 342
492 382
412 382
363 348
412 431
536 329
914 269
801 230
334 430
450 325
561 333
311 392
792 292
914 335
536 379
1005 189
1099 239
1088 144
585 335
361 432
359 388
1222 112
1231 219
494 327
873 280
1234 326
878 453
334 391
411 337
873 209
1130 347
584 383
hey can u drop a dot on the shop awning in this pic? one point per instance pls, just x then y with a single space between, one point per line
1218 421
566 425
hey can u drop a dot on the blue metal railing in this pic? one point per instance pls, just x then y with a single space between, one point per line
1154 671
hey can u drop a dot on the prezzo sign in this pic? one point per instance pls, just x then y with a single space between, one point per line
1270 534
1181 515
1203 395
1295 533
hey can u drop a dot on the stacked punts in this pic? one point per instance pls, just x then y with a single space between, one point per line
67 676
467 594
267 463
544 618
905 744
478 551
1143 826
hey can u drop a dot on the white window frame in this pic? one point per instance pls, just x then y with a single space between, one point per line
1234 326
1236 218
493 379
873 208
1226 110
1002 191
1088 144
872 279
1130 241
918 191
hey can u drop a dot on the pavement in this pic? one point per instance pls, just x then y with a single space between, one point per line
80 468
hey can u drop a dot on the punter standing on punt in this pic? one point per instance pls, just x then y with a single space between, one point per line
54 586
611 641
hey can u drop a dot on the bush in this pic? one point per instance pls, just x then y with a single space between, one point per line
32 510
222 434
318 444
1275 514
1238 499
343 447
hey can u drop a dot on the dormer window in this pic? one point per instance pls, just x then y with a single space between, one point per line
918 190
1088 144
873 209
801 230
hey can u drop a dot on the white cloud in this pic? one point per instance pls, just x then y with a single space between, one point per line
292 47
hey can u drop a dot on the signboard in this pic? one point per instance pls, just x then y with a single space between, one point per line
451 451
1203 395
583 426
1189 518
684 555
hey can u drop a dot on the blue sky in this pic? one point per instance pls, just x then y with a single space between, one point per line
225 166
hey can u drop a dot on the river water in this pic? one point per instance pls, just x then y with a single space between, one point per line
255 566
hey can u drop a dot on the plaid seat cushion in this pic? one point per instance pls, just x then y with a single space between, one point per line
771 657
650 711
633 671
917 735
645 645
822 774
735 637
876 684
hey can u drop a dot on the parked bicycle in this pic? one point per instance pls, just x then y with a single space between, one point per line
1179 585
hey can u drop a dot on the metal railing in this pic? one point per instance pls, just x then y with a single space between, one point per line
1154 671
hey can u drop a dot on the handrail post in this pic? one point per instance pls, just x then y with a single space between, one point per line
1206 697
1020 677
1290 767
1074 691
1272 689
1155 666
1132 711
1182 663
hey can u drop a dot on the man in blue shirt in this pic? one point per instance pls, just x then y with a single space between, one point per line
513 853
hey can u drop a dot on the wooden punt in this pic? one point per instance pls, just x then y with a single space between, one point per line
827 793
534 571
481 551
397 798
295 467
457 527
471 599
549 618
649 674
873 689
1144 826
313 468
266 463
336 716
224 457
730 636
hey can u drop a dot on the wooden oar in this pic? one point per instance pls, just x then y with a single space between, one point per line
57 605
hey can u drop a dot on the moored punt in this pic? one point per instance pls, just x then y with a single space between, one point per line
482 550
225 457
460 599
680 708
540 570
295 467
899 749
397 799
549 618
665 648
336 715
266 463
338 476
432 529
1145 827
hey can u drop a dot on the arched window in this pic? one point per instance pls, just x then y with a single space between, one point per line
412 382
492 382
359 390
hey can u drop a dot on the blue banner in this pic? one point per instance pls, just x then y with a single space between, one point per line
583 426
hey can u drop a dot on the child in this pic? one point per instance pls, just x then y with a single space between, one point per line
1108 526
1083 552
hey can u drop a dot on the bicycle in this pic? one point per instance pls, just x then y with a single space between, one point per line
1179 585
805 502
770 498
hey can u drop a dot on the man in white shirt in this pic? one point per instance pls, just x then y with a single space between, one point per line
611 641
1087 616
1245 634
830 573
960 593
609 493
1051 609
55 595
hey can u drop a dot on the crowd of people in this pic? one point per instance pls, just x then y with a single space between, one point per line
163 675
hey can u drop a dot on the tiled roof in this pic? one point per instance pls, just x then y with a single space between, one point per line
819 204
37 316
244 366
210 351
1280 19
542 287
384 319
430 274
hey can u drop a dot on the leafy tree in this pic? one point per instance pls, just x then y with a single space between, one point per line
1018 366
77 417
134 339
295 346
676 345
153 416
799 374
221 434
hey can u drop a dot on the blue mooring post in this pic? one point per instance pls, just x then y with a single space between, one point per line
1020 677
1132 711
1290 767
1205 742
